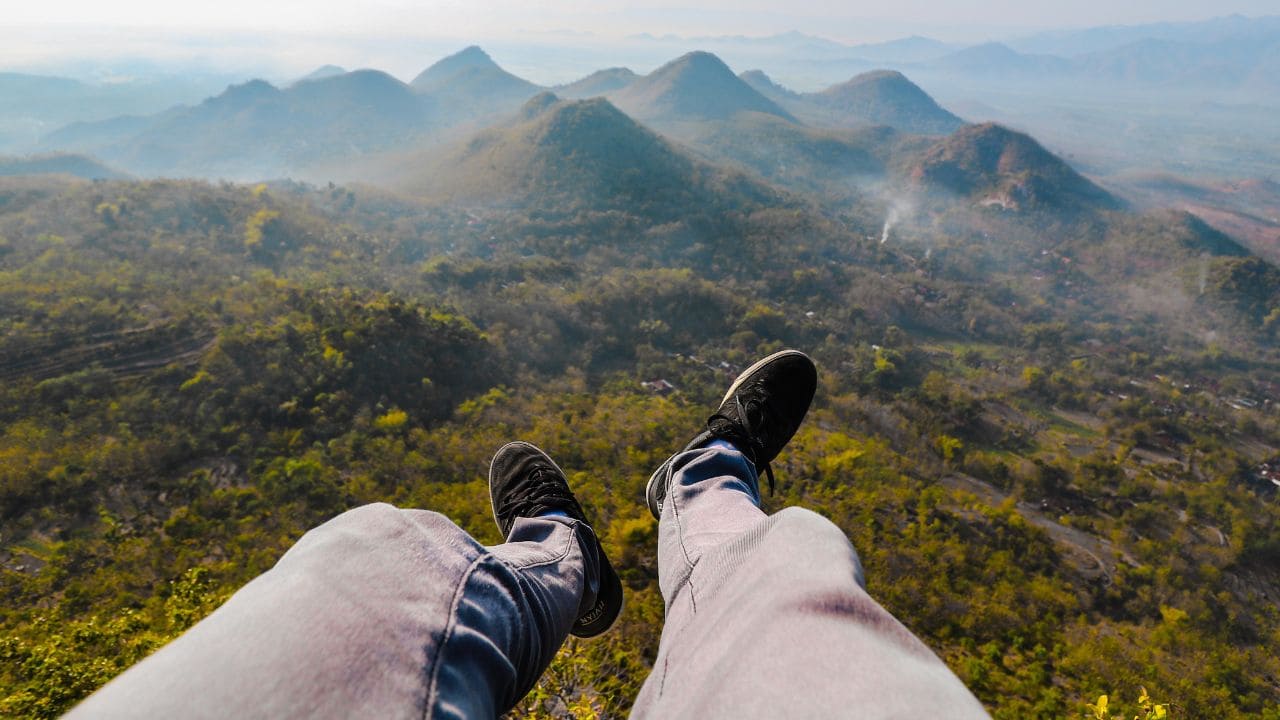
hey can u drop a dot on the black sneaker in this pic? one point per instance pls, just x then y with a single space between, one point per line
762 410
524 482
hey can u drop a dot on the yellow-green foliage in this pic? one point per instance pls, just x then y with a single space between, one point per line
391 420
948 446
253 227
201 376
174 404
1146 709
53 663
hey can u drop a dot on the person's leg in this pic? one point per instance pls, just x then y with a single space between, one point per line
389 613
380 612
767 616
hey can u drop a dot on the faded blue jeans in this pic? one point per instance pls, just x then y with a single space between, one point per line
387 613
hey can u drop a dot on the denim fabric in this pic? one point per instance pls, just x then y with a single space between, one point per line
379 613
768 616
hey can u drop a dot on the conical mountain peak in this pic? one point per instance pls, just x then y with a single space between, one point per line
469 85
470 57
322 72
887 97
695 86
471 60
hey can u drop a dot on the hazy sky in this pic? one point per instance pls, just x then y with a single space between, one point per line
292 34
610 16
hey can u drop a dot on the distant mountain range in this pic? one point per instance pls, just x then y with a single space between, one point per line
1249 62
467 130
32 106
1070 43
331 117
996 59
572 153
1224 55
1228 53
699 87
257 130
588 153
58 164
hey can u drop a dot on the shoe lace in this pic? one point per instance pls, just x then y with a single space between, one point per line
748 432
544 490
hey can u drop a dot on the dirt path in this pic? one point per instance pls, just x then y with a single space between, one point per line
1092 555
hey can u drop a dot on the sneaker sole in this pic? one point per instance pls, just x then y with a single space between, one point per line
608 595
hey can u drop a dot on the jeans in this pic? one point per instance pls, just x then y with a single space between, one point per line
393 613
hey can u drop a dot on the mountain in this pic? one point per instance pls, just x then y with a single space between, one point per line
600 82
97 136
42 88
1067 43
370 94
255 130
322 72
763 84
1000 60
1249 60
566 155
1232 53
829 162
697 86
999 167
35 105
885 97
880 97
1246 210
469 85
903 50
58 164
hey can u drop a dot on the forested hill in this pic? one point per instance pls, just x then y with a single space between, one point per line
1045 432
